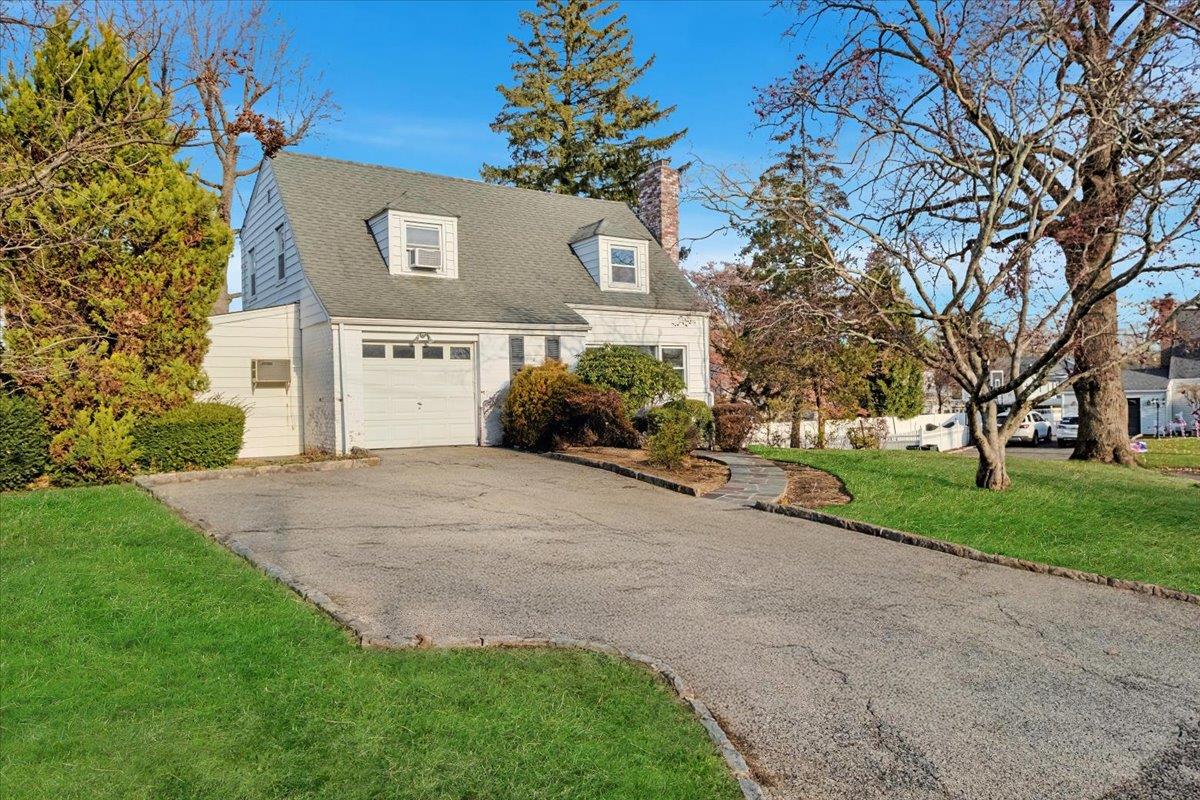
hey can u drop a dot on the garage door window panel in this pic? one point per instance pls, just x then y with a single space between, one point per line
433 352
374 350
404 351
460 354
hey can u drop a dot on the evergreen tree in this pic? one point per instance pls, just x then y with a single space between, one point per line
572 122
109 304
896 379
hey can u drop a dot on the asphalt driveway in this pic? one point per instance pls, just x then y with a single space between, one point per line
848 666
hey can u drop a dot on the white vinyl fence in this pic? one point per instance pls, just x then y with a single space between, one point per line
931 431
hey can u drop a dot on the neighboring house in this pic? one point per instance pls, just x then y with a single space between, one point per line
389 308
1155 395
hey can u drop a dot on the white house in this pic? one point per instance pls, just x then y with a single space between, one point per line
389 308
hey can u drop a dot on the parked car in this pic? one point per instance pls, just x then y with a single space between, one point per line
1067 431
1034 429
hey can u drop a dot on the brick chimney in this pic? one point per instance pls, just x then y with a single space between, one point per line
658 204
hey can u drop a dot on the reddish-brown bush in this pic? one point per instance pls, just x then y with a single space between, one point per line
733 423
589 415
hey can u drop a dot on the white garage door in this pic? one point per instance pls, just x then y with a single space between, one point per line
418 395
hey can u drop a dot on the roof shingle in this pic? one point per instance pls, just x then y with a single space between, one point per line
515 263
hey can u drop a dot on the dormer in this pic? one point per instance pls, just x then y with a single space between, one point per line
416 244
616 264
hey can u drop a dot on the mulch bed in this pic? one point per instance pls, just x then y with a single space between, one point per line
702 475
813 488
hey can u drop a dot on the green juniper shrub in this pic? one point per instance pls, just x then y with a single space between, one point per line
531 405
733 423
589 415
24 442
97 447
695 411
194 436
670 444
639 379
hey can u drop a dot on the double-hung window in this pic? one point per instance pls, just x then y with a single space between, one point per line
674 358
423 244
249 267
280 267
623 262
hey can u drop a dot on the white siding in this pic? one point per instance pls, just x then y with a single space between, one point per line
273 416
686 329
320 410
263 216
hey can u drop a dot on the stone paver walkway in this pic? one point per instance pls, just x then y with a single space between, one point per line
751 478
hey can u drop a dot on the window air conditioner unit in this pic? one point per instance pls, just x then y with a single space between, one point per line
270 373
424 259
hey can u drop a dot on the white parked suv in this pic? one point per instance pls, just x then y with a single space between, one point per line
1067 431
1033 429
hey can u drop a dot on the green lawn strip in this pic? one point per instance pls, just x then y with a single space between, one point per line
1127 523
1172 453
140 660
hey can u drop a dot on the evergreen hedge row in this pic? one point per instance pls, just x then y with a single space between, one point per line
24 442
195 436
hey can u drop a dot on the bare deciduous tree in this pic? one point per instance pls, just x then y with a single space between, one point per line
234 69
1021 162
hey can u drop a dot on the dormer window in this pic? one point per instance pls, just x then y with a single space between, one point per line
624 265
423 244
413 243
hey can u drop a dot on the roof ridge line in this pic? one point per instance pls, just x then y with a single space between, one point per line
473 182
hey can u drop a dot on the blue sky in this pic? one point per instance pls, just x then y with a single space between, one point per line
416 82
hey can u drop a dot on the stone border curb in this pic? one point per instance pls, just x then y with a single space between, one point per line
360 628
628 472
962 551
158 479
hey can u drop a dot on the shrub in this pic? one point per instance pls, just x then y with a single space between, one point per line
676 437
530 407
97 447
867 436
24 442
589 415
733 423
195 436
696 412
639 379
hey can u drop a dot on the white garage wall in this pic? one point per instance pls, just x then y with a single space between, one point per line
273 416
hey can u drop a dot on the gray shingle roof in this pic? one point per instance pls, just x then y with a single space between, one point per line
1183 368
515 262
1144 380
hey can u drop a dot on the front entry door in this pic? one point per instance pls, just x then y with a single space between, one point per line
1135 415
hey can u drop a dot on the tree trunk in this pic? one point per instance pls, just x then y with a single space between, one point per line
1103 420
225 207
796 438
820 420
992 472
1103 424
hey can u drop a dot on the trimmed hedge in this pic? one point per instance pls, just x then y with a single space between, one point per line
670 445
639 379
733 422
697 412
530 407
195 436
24 442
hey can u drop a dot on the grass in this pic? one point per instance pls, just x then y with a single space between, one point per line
1172 453
1126 523
139 660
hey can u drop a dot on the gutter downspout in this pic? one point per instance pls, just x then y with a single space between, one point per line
342 383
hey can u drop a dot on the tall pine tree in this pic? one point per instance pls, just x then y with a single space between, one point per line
109 302
573 124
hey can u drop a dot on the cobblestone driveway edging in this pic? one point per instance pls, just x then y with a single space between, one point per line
159 478
361 629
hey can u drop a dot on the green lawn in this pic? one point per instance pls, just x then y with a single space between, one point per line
139 660
1127 523
1173 453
